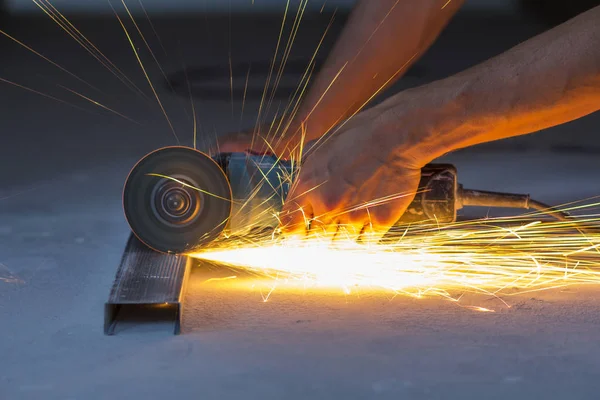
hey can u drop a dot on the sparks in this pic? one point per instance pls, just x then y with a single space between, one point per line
465 257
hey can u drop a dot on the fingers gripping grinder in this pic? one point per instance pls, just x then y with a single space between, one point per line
178 199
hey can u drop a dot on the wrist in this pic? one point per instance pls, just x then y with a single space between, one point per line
304 127
425 123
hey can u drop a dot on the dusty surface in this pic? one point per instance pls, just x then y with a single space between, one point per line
62 233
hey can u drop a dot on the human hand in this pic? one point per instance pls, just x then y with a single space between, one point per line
359 181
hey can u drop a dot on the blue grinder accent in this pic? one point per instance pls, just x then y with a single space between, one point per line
259 185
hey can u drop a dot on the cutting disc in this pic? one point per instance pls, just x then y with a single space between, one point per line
177 199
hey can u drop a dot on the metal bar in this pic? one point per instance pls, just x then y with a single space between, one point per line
147 278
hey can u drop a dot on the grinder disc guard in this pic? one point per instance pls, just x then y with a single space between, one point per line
176 199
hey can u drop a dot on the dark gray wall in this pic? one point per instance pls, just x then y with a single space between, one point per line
553 12
94 6
3 8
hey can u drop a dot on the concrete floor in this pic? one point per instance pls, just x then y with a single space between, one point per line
62 233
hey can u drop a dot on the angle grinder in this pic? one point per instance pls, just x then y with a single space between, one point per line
178 199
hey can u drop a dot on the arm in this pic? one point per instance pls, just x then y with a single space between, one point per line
546 81
367 173
380 41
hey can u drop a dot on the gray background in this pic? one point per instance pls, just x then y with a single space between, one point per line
62 232
90 6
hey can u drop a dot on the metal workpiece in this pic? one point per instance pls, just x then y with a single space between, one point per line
146 278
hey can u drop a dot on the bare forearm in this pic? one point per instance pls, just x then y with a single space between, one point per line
379 43
551 79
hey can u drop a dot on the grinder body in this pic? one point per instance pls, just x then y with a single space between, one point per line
237 194
260 184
